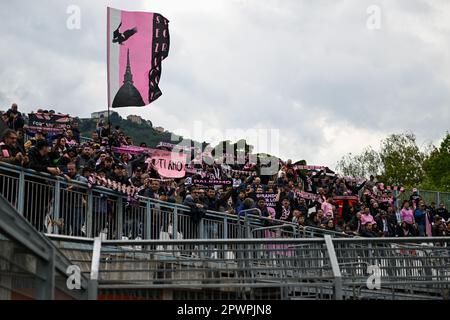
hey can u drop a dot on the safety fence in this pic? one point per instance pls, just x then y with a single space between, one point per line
56 206
34 266
31 266
430 196
326 268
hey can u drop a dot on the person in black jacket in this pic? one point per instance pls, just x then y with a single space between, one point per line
442 211
85 159
261 205
211 200
15 119
119 174
151 190
20 144
368 232
348 211
198 209
406 230
354 188
9 153
39 202
283 210
38 158
384 225
215 200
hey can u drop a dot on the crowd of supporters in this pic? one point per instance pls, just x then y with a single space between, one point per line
317 199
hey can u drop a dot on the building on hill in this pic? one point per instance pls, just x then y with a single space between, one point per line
99 114
159 129
135 119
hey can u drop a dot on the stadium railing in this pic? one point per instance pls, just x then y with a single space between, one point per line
31 266
56 206
320 268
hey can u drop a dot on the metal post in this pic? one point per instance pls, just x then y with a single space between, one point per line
248 233
338 294
89 214
201 230
225 227
95 266
21 195
119 205
175 223
148 223
56 203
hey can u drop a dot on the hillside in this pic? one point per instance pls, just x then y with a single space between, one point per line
138 132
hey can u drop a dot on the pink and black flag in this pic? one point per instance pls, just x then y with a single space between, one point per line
138 42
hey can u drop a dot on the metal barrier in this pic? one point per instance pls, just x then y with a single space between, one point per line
429 196
328 268
31 267
415 267
57 206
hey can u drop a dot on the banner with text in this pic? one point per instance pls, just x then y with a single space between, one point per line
213 182
269 197
168 164
46 122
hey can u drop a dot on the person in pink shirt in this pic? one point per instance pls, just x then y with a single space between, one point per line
366 217
407 214
70 139
327 207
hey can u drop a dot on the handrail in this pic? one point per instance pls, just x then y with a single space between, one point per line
340 281
274 227
395 239
36 174
59 237
417 240
249 214
253 220
329 232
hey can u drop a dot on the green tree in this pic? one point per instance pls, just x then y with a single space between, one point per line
362 165
402 160
437 167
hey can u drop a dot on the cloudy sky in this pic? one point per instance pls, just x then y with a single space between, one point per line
310 69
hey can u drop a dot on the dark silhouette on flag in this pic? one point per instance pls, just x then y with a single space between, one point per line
128 95
146 49
120 38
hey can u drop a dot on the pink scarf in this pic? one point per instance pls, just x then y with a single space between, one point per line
427 225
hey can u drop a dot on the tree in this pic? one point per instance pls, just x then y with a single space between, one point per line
402 160
362 165
437 167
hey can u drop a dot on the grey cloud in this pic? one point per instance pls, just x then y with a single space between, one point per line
299 66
